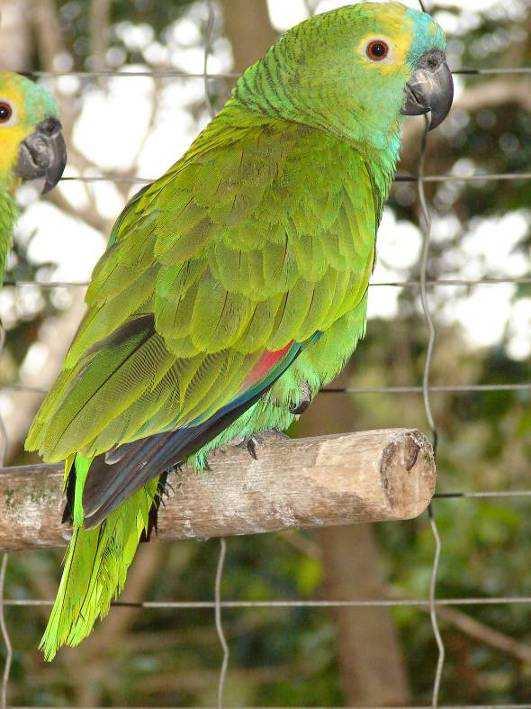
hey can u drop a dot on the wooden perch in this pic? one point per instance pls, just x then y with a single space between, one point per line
371 476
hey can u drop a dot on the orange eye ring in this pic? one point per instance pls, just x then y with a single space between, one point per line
377 50
5 112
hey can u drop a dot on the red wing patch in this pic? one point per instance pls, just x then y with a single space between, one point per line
264 365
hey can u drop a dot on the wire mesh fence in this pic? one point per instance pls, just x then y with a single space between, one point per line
431 602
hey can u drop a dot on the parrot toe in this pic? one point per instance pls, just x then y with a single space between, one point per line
251 445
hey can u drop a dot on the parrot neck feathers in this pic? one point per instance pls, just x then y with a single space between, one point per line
338 103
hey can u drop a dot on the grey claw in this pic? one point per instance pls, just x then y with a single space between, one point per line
250 444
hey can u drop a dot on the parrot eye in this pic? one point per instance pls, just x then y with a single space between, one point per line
5 112
377 50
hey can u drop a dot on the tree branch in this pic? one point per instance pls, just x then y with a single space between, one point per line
332 480
100 18
485 634
91 217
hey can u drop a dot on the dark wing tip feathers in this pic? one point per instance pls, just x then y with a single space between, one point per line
110 483
108 486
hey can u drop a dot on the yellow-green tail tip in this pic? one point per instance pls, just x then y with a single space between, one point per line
95 570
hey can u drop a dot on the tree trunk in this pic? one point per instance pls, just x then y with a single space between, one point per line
371 663
248 27
15 36
372 667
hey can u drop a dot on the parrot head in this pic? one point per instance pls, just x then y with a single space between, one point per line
32 146
355 71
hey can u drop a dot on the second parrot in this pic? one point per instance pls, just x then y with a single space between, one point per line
32 148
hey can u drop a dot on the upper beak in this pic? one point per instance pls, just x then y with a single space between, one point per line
43 154
430 89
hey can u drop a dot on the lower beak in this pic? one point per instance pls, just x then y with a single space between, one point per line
42 155
430 89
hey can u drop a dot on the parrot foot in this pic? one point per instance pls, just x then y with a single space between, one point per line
304 403
253 443
167 493
250 443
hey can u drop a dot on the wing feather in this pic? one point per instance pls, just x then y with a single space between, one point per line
227 258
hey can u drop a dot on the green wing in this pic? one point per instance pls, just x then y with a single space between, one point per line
258 238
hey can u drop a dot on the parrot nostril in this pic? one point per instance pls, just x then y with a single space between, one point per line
50 126
433 60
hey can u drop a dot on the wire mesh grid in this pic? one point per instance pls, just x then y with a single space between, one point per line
432 602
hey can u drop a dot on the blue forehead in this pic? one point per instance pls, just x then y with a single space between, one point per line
427 35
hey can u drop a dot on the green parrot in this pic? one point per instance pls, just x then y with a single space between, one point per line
31 147
234 286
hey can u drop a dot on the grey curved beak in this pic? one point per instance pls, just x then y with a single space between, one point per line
43 154
430 89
